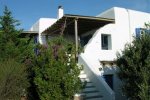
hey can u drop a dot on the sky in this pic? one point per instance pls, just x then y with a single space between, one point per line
29 11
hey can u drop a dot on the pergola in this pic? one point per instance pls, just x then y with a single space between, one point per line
76 25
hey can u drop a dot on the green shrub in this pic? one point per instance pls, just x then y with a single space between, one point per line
13 80
56 73
134 65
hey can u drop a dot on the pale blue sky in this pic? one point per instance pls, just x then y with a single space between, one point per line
29 11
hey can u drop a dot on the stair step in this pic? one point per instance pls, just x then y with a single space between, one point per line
84 79
92 94
98 97
88 84
90 91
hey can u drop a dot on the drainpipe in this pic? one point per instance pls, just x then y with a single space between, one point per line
130 34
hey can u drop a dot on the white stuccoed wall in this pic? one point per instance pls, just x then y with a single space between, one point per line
137 20
122 32
40 26
35 27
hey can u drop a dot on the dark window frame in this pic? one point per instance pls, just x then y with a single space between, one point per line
106 41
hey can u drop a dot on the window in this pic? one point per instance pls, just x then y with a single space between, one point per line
140 31
106 42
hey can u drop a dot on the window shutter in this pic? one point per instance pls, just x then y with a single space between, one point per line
35 39
35 42
138 32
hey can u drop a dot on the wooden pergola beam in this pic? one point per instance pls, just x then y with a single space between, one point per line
76 36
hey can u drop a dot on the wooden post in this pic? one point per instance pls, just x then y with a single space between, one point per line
76 37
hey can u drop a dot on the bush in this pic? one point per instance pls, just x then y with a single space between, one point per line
56 73
134 65
13 80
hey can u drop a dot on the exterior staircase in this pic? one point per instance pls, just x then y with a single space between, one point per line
89 92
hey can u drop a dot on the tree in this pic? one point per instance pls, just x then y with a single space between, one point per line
56 71
8 35
134 64
14 52
11 44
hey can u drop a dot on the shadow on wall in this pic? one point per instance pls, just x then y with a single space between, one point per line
86 37
109 69
109 74
111 78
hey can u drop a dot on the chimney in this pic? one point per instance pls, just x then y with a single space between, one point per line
60 12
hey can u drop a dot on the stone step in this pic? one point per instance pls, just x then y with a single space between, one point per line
85 79
98 97
91 94
88 84
91 91
89 88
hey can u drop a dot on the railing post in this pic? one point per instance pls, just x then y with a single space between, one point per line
76 37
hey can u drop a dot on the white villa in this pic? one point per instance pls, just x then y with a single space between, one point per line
102 36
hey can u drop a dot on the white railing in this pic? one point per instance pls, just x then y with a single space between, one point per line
102 86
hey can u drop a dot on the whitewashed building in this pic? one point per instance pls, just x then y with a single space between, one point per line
102 37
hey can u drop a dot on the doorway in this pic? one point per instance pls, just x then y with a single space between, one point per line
109 80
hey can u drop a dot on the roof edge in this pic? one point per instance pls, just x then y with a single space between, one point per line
87 17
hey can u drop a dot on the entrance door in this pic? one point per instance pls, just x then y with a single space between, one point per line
109 80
